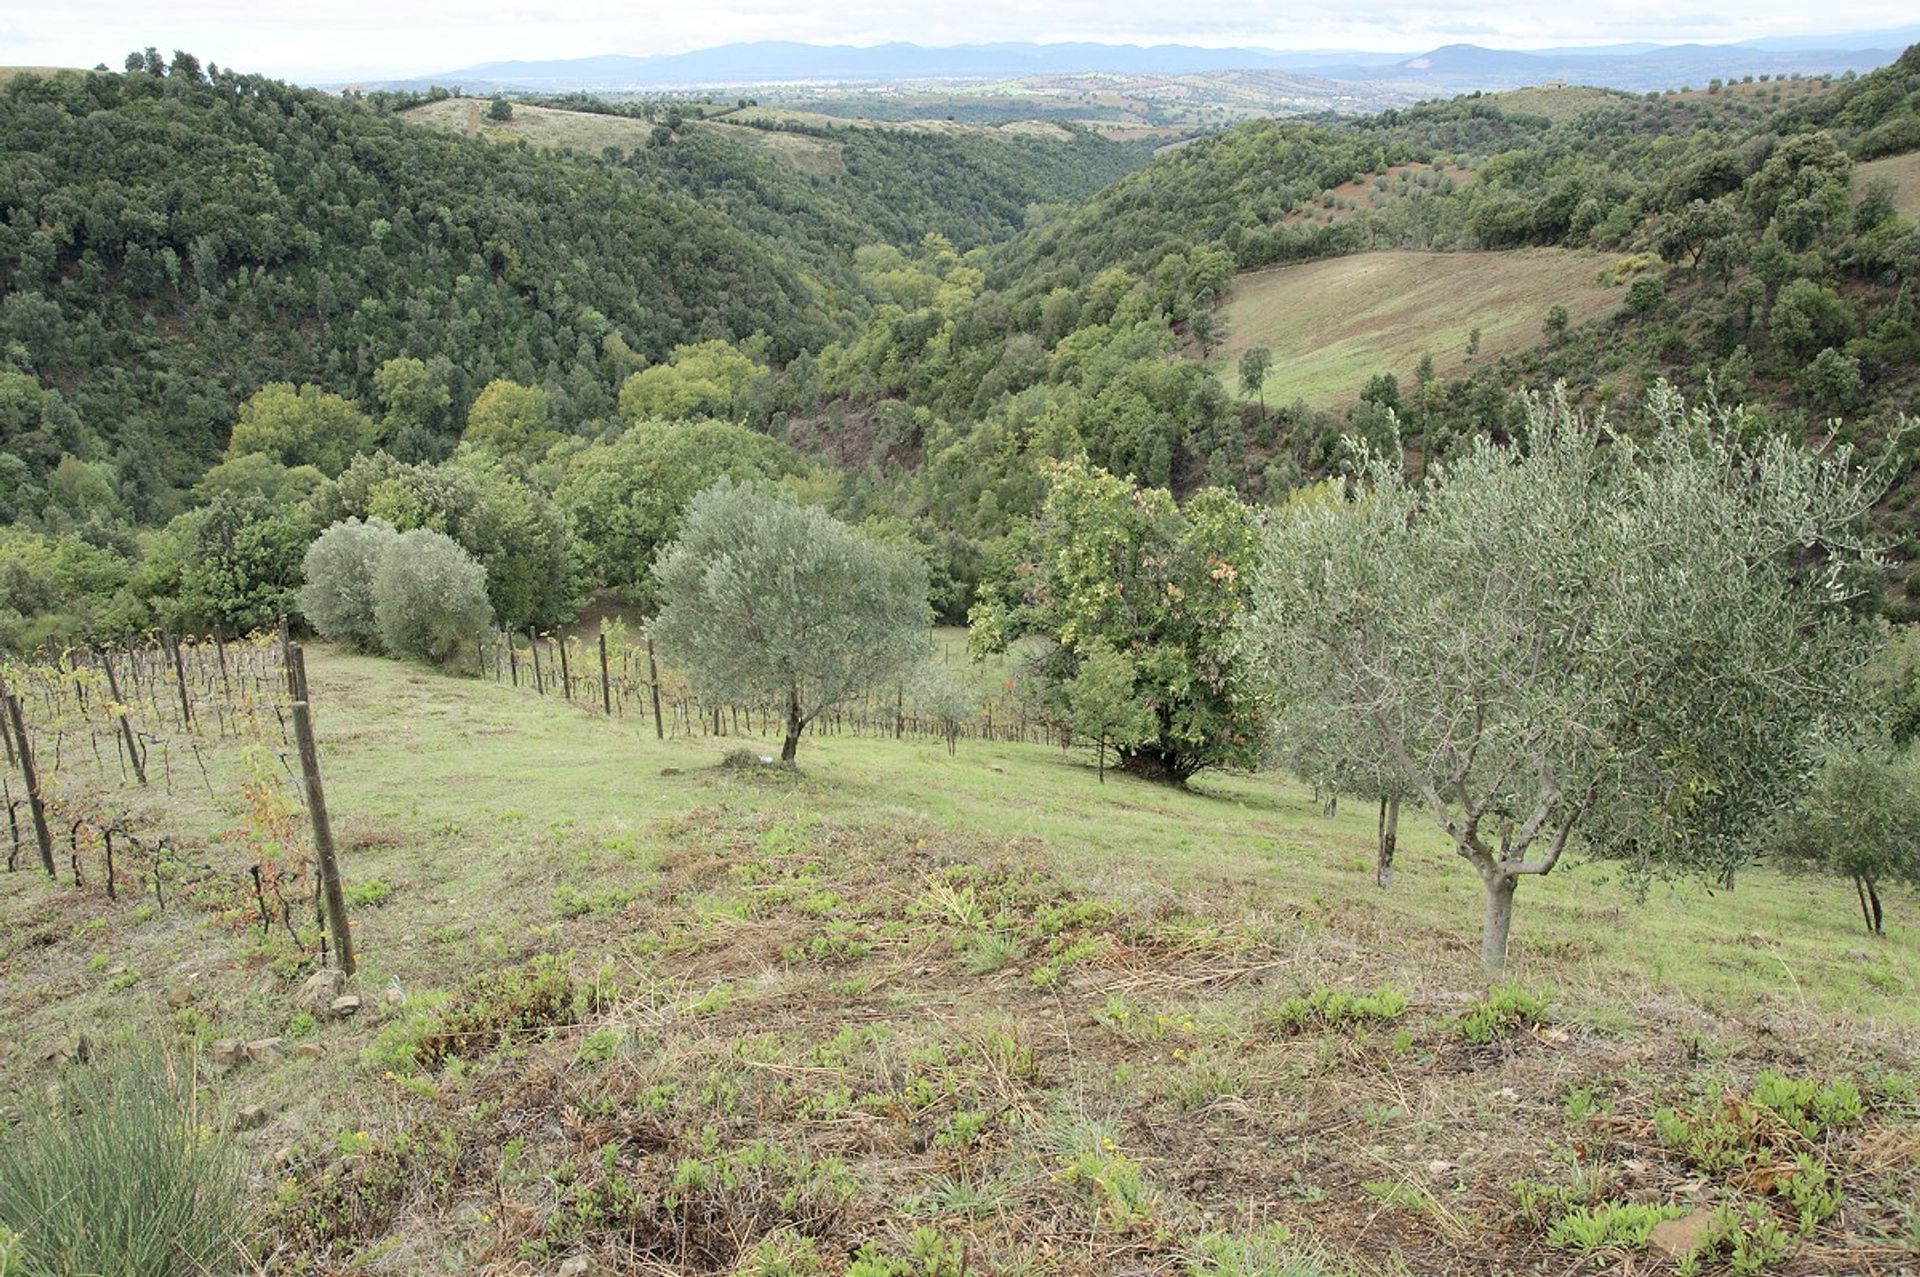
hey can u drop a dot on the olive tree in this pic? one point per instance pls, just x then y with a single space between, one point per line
339 568
1861 818
767 599
1644 643
429 597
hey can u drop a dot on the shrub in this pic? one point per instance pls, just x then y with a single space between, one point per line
121 1176
429 596
339 569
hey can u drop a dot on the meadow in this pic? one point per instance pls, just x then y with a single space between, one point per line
1332 324
656 1005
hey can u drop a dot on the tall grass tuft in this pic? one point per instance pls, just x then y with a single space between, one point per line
121 1175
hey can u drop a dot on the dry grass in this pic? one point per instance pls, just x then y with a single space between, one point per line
1556 102
1332 324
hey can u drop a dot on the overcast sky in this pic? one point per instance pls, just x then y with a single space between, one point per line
316 40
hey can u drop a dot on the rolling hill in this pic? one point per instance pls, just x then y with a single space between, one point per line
1332 324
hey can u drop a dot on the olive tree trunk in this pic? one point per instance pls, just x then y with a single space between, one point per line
790 747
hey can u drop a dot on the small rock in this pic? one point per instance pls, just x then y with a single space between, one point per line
343 1006
575 1267
1676 1237
396 994
1507 1094
226 1052
251 1118
1859 955
178 995
996 767
1436 1168
266 1051
669 771
322 988
116 971
9 1115
307 1051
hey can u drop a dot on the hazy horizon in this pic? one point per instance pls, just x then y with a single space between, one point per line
356 39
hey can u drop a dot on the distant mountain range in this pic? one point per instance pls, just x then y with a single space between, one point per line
1457 67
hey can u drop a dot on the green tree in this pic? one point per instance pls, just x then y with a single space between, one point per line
414 398
429 597
509 526
624 500
1641 642
1103 707
1860 819
1255 363
301 426
238 565
500 110
703 380
1109 563
1555 324
511 420
768 600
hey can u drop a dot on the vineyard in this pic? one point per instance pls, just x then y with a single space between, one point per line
99 741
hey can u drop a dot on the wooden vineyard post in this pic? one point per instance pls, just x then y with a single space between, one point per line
120 712
6 737
35 803
539 680
566 670
606 688
322 824
180 673
653 685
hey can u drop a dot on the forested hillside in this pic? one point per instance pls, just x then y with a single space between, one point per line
221 291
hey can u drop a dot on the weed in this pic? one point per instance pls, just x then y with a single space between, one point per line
368 893
1267 1253
1609 1226
990 951
1506 1009
1337 1008
599 1046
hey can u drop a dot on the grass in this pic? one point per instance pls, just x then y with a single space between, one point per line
979 1006
1903 171
120 1173
590 132
1332 324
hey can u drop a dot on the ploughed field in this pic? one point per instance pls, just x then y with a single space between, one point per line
625 1001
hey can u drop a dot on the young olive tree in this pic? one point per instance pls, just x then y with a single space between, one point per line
765 598
1861 818
1642 642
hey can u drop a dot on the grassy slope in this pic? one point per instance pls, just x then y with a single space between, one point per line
508 826
1903 171
585 131
1332 324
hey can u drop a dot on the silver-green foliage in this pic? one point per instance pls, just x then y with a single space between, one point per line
429 597
1643 641
337 597
768 600
121 1174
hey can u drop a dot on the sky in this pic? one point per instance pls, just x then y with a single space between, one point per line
337 40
